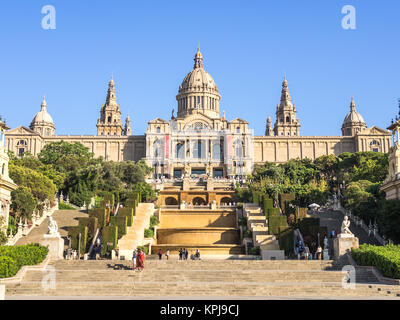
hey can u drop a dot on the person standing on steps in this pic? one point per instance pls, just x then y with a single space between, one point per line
142 257
160 254
186 254
134 257
167 254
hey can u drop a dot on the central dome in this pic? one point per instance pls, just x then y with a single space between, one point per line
198 91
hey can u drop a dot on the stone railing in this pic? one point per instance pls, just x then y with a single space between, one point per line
24 229
372 230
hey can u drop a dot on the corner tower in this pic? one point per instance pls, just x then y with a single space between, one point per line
109 122
286 123
198 92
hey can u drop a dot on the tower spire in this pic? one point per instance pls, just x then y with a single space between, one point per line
198 59
44 103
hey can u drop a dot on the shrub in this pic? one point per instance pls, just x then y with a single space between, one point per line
385 258
254 251
65 206
247 234
25 255
8 267
153 221
3 238
242 221
148 233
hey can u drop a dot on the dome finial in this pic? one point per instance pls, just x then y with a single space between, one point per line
352 104
44 103
198 59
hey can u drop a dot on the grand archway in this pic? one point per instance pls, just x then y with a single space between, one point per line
198 201
171 201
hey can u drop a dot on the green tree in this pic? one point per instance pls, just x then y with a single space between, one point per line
40 186
66 157
23 203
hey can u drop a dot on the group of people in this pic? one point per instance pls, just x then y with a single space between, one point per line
138 258
304 251
71 254
183 254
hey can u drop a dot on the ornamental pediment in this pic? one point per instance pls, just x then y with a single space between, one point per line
374 130
22 130
238 120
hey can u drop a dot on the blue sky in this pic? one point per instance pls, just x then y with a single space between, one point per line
247 46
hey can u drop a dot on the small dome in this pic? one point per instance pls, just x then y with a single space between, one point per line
42 117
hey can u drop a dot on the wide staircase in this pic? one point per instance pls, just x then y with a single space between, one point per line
258 224
135 234
213 232
206 279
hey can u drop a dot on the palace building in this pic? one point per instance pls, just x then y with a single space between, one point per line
199 140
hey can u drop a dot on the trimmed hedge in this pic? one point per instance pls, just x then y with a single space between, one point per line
65 206
286 240
109 235
92 224
267 204
121 223
73 232
284 200
127 212
12 258
385 258
101 214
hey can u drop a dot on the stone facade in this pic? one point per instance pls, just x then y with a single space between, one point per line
6 184
198 140
391 185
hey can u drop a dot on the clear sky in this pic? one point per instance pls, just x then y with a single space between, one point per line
247 47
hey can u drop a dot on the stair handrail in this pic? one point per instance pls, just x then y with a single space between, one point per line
96 235
116 209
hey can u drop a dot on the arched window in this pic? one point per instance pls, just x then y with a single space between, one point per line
180 150
109 119
158 130
237 129
287 119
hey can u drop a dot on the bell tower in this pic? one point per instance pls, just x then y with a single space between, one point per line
286 123
109 122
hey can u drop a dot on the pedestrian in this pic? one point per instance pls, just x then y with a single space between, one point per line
180 253
134 257
167 254
306 252
186 254
160 254
140 258
319 253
